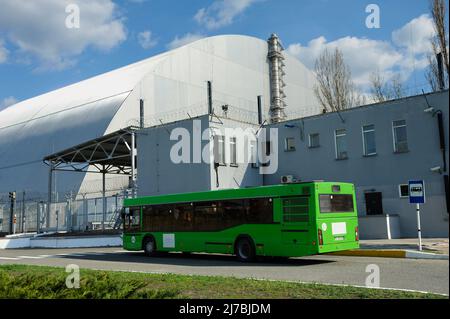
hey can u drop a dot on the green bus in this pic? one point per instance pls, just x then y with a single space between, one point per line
289 220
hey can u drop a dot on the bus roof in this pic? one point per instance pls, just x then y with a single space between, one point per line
294 189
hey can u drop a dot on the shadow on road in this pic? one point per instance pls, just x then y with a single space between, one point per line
197 260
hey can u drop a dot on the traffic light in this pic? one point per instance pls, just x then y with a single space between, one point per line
12 195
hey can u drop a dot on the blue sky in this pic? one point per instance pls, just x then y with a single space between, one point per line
38 53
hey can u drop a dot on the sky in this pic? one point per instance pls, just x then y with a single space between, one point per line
44 47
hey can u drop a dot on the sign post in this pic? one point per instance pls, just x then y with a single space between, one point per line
14 224
417 196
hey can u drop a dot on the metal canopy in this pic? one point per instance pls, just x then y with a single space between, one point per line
114 153
109 154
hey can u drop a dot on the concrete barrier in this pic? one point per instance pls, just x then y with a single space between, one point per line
14 243
61 242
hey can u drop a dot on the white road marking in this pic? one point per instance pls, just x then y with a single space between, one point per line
8 258
29 257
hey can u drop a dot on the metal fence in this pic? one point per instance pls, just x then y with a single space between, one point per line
82 214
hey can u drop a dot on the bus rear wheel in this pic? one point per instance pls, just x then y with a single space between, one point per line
149 246
245 249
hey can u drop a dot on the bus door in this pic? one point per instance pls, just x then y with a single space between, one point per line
296 219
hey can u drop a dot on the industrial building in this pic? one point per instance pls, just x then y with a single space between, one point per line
377 147
84 147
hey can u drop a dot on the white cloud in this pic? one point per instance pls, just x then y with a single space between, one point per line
3 52
8 102
186 39
146 39
38 29
365 56
415 36
221 12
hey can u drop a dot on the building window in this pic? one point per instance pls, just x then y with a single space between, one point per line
314 140
403 190
289 144
233 151
400 136
341 144
369 144
219 149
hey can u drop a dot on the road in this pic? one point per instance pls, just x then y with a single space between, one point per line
420 275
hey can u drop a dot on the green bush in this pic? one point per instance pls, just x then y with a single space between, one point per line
31 282
93 285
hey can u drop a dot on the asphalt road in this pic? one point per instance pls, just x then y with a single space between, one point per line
420 275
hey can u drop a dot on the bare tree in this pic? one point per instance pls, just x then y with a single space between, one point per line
335 89
382 90
439 44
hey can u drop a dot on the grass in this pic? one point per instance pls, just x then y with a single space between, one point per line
35 282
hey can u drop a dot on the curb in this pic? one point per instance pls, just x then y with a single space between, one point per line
392 253
421 255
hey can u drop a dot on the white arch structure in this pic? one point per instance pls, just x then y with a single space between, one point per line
172 84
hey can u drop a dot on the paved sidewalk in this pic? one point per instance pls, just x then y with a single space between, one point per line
434 248
430 245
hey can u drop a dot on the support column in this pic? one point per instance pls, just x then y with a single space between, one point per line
50 197
104 197
22 220
69 213
85 217
38 216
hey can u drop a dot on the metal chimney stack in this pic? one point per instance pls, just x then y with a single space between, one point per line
440 64
276 60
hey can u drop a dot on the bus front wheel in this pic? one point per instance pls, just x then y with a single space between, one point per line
149 246
245 249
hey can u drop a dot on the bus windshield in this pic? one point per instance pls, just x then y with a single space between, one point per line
336 204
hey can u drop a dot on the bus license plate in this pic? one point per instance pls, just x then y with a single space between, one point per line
339 238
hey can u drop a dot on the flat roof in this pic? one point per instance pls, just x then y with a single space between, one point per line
388 103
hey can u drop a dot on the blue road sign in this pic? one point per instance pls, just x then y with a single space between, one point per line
416 192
